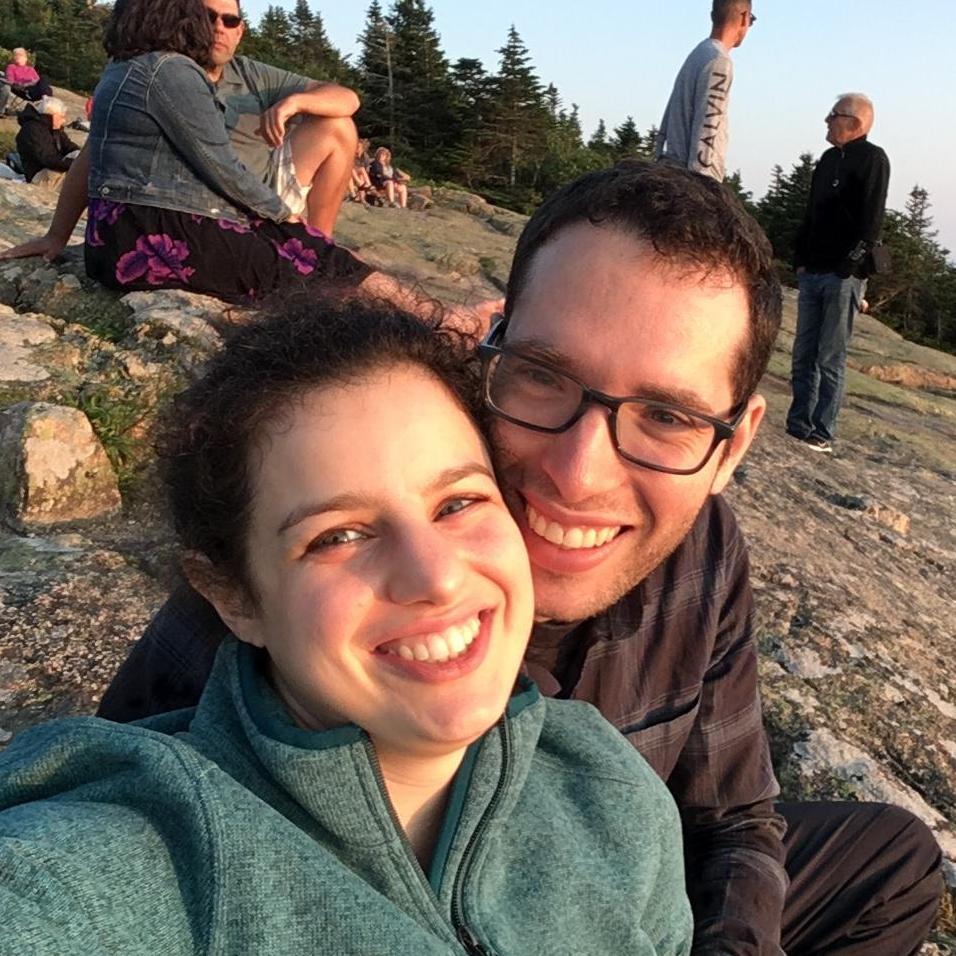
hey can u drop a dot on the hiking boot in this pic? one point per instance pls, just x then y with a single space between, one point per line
816 443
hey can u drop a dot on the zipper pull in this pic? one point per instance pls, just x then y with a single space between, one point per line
471 944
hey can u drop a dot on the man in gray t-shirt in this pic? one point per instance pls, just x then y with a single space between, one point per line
295 132
694 129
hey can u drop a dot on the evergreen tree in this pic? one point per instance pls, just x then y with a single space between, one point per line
598 140
71 52
424 116
271 40
472 107
627 141
311 49
376 119
565 157
917 293
521 118
553 101
736 186
782 209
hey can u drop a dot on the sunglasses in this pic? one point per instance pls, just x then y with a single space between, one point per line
229 20
753 19
833 114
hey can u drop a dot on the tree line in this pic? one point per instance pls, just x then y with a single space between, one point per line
503 133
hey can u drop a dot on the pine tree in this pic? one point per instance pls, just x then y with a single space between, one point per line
782 209
627 141
424 117
598 140
376 119
736 185
521 118
314 54
472 106
272 39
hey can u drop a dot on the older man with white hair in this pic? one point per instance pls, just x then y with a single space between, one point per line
833 259
46 152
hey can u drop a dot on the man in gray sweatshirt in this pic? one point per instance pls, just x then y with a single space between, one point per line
694 129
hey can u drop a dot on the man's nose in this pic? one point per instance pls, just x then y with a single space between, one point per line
583 462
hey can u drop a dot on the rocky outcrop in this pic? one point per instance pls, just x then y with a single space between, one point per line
53 470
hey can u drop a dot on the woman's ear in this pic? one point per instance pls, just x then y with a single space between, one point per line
232 603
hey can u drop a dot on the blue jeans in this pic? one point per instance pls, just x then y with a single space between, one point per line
826 308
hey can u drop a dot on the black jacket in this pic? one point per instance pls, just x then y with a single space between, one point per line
846 206
40 146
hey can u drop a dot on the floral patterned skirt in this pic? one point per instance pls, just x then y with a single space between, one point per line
130 247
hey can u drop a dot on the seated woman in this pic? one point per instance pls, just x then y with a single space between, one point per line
360 184
171 205
46 151
23 79
393 182
364 774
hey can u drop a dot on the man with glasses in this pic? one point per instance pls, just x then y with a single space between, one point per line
296 133
695 127
842 224
641 312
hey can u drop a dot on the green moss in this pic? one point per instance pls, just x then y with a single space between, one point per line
101 313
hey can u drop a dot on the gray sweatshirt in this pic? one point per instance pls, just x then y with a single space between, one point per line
694 129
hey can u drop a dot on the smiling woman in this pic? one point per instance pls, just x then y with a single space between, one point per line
366 771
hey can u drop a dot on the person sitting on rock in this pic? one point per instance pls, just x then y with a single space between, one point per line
385 177
360 183
46 152
23 80
294 133
170 203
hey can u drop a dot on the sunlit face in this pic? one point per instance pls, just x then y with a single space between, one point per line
225 40
58 120
394 588
842 125
600 305
20 57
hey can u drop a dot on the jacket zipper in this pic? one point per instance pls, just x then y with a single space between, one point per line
465 936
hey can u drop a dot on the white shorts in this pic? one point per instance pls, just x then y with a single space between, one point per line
282 178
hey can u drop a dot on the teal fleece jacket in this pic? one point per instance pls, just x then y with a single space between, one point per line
228 830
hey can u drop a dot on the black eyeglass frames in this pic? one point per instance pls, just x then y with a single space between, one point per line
534 394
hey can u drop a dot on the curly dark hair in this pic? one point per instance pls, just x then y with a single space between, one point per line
209 434
145 26
688 219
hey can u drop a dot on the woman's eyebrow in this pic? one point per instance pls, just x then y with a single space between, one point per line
351 501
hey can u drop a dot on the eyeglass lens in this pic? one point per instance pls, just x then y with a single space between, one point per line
229 20
652 433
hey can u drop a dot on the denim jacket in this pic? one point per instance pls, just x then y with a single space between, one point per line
158 138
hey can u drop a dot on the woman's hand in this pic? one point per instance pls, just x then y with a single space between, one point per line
47 246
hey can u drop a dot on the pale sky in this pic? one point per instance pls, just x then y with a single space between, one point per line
614 58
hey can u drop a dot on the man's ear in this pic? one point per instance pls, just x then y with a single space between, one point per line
230 600
737 447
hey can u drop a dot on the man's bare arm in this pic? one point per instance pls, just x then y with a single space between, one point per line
318 99
69 208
